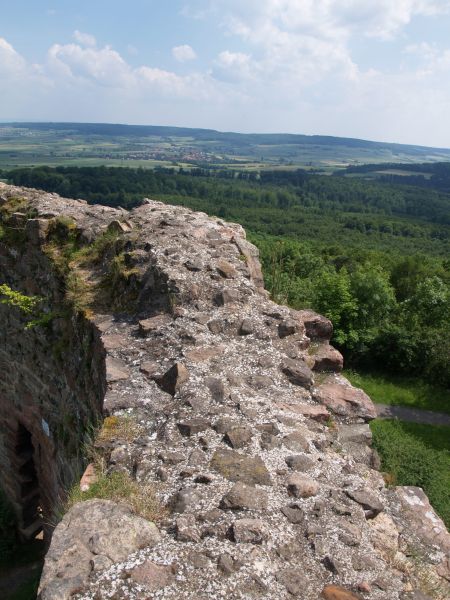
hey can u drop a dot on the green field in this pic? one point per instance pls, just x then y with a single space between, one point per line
81 144
402 391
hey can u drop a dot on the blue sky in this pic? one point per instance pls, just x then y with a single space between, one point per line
376 69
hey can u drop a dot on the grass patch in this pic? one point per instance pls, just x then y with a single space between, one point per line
123 427
121 488
117 486
401 391
418 455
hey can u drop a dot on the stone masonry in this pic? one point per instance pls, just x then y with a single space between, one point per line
250 436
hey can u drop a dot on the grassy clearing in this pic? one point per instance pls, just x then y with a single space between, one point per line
401 391
418 455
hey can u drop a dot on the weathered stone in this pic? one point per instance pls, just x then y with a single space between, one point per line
171 457
269 442
346 400
226 564
301 486
298 372
193 426
246 327
100 562
185 499
238 437
148 326
421 517
443 569
200 355
116 370
384 534
174 378
186 530
294 514
151 369
153 576
199 560
259 382
43 384
245 497
327 359
332 565
94 527
415 595
216 326
227 296
317 328
197 458
300 462
89 477
358 433
271 428
224 425
226 269
249 531
316 412
369 502
117 226
335 592
294 581
349 533
289 550
113 342
288 327
296 441
193 264
216 387
239 467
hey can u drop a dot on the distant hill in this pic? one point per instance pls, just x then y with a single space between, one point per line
145 145
211 135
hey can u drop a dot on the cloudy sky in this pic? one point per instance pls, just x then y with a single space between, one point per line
375 69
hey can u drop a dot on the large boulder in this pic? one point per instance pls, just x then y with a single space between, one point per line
345 400
92 532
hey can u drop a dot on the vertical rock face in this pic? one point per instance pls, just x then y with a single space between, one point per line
52 380
247 432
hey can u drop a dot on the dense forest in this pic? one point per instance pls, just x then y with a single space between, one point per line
371 255
435 176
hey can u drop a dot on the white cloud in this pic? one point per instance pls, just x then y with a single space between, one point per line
184 53
103 66
10 61
85 39
289 65
234 67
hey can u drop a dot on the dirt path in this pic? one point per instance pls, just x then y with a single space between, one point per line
412 415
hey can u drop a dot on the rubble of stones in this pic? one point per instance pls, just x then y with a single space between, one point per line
256 444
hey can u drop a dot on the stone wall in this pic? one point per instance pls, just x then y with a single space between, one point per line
246 431
52 386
